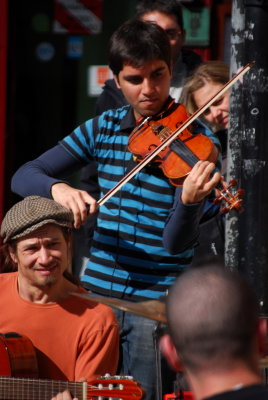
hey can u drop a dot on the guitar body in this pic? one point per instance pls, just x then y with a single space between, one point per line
17 356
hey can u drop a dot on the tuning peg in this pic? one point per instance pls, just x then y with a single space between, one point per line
232 182
225 210
217 200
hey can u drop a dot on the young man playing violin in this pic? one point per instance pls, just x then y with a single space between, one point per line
128 260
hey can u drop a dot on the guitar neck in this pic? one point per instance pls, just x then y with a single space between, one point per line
36 389
14 388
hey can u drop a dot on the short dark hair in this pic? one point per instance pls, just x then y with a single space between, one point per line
136 42
172 7
212 317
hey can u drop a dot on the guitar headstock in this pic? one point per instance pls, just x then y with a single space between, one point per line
233 200
114 387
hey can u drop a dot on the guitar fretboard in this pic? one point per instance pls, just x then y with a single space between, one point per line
101 388
36 389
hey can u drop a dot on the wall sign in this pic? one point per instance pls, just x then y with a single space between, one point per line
74 47
78 16
197 26
97 75
44 51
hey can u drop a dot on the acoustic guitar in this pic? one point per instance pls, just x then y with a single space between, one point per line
18 377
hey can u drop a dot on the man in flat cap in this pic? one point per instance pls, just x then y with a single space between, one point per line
73 337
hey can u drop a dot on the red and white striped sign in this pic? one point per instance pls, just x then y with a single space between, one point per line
78 16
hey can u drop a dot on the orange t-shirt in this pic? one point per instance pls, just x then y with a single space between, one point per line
74 338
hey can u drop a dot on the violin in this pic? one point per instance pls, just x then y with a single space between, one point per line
152 141
177 159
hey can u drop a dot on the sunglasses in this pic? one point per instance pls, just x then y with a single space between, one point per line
173 33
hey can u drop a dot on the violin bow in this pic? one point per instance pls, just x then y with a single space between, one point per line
174 134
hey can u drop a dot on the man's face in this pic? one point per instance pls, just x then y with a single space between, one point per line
146 88
169 23
41 256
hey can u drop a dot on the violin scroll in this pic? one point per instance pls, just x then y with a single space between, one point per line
233 200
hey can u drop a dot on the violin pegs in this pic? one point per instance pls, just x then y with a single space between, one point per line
241 192
232 182
217 200
237 206
233 200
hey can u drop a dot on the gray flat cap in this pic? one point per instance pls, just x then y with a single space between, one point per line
31 213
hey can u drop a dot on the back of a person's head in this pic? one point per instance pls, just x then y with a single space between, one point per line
215 72
212 316
136 42
171 7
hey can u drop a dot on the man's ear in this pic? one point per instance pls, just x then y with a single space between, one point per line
171 69
13 255
169 351
263 336
116 81
183 34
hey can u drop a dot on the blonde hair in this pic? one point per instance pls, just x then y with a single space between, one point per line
209 71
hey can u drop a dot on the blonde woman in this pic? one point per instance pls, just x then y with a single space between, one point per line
205 82
207 79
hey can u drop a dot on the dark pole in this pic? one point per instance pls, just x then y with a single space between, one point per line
247 234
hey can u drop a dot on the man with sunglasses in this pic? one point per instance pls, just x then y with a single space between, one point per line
168 15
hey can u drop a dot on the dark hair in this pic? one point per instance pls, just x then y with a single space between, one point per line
6 262
212 317
165 6
136 42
